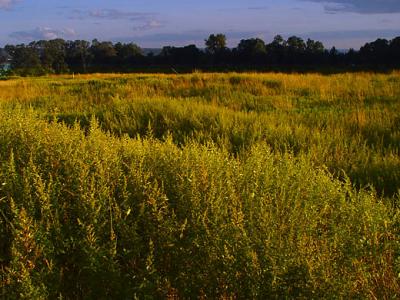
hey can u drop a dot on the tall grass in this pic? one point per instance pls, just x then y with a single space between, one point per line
204 185
348 122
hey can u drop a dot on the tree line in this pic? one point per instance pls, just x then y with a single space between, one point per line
60 56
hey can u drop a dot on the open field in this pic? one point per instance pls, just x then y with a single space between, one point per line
233 186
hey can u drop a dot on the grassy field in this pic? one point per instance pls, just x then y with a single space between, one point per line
220 186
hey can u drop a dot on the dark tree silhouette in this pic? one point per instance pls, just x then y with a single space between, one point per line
252 51
314 52
3 56
375 52
215 43
217 51
187 56
78 54
295 50
52 55
59 56
128 53
276 50
103 53
25 59
394 50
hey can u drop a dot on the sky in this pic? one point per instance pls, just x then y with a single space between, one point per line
155 23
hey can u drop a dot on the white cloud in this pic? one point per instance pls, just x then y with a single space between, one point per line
42 33
142 20
109 14
151 24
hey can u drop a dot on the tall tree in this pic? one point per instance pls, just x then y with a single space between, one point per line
295 44
314 52
314 47
295 50
3 57
276 50
78 54
251 50
375 52
215 43
103 53
394 50
25 59
189 55
128 53
333 55
52 55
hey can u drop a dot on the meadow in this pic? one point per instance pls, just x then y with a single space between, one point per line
204 185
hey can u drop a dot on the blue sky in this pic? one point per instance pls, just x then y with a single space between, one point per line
155 23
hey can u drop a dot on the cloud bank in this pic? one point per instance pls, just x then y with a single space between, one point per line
143 21
148 25
43 33
109 14
360 6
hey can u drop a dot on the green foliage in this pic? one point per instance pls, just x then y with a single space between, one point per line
200 186
215 43
4 74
